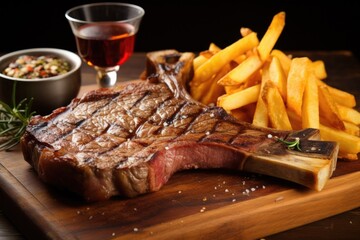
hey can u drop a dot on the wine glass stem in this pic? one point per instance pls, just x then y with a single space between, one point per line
106 78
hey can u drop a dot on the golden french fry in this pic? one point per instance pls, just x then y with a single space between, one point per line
241 114
310 106
319 69
352 128
275 106
295 120
349 114
215 90
198 91
347 143
328 109
347 156
261 117
198 61
233 88
212 94
296 81
268 88
271 35
341 97
284 59
277 76
245 31
207 54
223 57
239 98
242 72
214 48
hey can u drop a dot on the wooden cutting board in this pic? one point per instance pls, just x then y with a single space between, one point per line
193 204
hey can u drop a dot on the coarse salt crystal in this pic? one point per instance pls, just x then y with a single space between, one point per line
279 199
269 136
136 229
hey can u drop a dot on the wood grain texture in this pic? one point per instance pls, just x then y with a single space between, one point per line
193 204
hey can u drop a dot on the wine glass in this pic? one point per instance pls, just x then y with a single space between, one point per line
105 36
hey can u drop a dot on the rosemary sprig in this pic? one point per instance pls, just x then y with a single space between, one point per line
13 121
291 144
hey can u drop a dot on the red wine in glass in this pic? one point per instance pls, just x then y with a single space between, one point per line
105 44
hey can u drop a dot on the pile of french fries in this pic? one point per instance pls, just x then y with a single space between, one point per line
259 84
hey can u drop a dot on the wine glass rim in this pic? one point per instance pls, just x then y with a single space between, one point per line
140 15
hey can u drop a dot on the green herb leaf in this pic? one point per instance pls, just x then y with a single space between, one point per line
291 144
13 121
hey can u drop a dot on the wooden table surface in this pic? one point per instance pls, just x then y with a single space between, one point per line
342 226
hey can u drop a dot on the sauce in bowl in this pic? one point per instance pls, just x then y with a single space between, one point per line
31 67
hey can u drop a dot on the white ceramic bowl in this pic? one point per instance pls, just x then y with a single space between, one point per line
47 93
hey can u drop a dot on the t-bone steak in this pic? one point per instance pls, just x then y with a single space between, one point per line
131 139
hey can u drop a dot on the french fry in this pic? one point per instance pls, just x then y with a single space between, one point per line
319 69
295 120
349 114
233 88
348 143
296 81
261 117
207 54
347 156
223 57
341 97
239 99
328 109
198 91
259 84
198 61
310 106
214 90
271 35
277 76
214 48
242 72
352 128
284 59
241 114
245 31
275 106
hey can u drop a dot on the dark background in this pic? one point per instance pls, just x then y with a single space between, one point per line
191 26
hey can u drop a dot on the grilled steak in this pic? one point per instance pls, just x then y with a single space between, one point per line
130 140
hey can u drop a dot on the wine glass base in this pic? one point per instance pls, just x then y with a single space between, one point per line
106 79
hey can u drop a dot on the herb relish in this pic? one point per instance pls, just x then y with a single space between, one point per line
31 67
